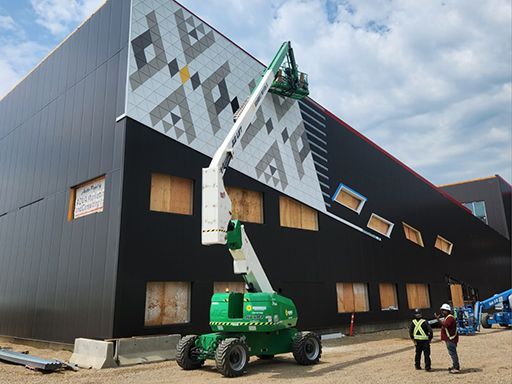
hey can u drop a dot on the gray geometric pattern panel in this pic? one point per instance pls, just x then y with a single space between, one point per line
186 81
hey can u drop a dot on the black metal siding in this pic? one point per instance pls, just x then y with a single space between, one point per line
493 192
305 265
58 129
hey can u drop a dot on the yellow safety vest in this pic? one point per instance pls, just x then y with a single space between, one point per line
446 329
419 333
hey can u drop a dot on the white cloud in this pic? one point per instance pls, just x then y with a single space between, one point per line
7 23
427 80
59 16
17 58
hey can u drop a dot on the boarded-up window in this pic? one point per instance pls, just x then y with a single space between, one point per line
246 205
231 286
412 234
418 296
380 225
167 303
443 245
86 198
457 296
171 194
293 214
388 297
352 297
349 198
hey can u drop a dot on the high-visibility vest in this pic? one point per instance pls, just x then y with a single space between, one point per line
419 333
446 329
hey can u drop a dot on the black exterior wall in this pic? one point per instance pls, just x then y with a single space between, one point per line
305 265
58 129
495 192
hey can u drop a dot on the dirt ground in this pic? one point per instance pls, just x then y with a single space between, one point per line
383 357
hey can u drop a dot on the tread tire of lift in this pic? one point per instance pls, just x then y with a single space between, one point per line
183 349
484 321
232 357
307 348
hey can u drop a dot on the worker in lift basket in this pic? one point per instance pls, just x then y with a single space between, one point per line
421 333
449 335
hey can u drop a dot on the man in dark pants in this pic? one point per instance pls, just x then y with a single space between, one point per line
450 336
421 333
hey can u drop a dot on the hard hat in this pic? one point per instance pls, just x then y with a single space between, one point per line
417 313
446 307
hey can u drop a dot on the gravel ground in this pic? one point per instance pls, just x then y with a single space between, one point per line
383 357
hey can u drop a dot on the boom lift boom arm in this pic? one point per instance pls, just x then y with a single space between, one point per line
217 226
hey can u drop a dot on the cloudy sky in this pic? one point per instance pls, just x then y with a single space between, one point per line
429 81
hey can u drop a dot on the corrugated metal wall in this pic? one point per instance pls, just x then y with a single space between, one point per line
306 265
58 129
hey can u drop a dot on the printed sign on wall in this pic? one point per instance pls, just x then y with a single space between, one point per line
89 198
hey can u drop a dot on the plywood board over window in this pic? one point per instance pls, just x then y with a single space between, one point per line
349 198
229 286
293 214
171 194
247 205
412 234
167 302
418 296
457 295
380 225
352 297
444 245
388 297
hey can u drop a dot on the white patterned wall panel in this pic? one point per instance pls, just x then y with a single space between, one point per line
186 81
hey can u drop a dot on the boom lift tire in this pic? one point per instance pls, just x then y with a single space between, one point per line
232 357
484 322
185 353
307 348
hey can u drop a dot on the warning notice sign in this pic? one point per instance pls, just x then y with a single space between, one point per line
89 198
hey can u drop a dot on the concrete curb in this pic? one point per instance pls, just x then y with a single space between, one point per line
140 350
93 354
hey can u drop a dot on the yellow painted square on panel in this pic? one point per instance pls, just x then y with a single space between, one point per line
184 74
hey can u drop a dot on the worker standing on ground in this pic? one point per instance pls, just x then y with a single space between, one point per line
449 335
421 333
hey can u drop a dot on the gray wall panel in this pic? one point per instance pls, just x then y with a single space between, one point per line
58 129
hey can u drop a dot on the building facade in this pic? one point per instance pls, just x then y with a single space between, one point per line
488 198
101 150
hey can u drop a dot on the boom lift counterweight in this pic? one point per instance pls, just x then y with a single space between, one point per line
260 322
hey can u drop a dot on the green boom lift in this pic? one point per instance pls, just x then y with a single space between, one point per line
260 322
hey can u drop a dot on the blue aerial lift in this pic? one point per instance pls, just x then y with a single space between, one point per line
494 310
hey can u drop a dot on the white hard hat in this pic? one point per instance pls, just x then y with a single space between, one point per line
446 307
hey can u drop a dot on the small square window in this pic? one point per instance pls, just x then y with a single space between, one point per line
171 194
388 297
247 206
418 296
349 198
293 214
413 234
352 297
380 225
443 245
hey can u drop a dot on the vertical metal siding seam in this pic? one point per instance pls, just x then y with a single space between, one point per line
128 60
